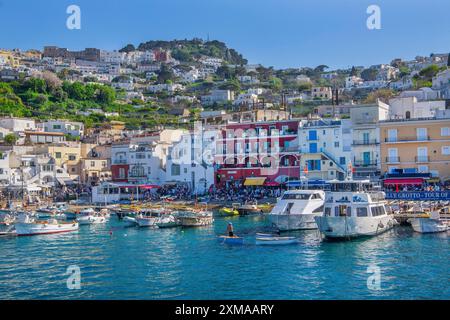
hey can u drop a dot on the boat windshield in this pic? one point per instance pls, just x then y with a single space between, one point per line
351 187
296 196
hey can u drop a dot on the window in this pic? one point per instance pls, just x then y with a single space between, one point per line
121 173
58 155
72 157
56 126
361 212
313 165
336 144
296 196
342 160
104 164
446 150
327 211
377 211
445 132
175 169
92 163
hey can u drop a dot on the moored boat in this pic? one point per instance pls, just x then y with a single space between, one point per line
29 226
430 224
353 210
167 221
276 240
296 210
195 218
90 216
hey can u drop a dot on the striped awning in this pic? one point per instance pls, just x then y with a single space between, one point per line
254 181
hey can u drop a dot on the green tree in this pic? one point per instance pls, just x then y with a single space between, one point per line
369 74
10 139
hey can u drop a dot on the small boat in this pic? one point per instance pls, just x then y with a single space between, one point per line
431 224
167 221
148 218
231 240
229 211
129 221
247 209
28 226
266 235
276 240
90 216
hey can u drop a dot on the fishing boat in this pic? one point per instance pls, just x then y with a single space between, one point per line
90 216
235 240
28 226
296 210
276 240
167 221
353 209
430 224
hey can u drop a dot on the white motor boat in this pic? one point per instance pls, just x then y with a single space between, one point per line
432 224
148 218
296 210
90 216
27 226
352 210
129 221
167 221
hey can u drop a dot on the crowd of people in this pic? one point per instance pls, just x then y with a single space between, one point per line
417 188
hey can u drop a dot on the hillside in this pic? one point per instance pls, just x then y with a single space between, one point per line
188 50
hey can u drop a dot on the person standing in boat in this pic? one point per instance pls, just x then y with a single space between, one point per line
230 229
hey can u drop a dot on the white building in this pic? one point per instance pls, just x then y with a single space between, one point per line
18 124
218 96
421 94
325 147
411 108
75 129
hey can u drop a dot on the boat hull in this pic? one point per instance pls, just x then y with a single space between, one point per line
231 240
427 225
353 227
289 222
90 220
274 241
30 229
146 222
195 221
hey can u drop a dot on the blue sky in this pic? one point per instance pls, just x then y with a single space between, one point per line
279 33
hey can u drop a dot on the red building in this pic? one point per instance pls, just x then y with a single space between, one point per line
265 150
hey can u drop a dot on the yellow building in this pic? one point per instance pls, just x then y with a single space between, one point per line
420 145
66 156
95 170
9 58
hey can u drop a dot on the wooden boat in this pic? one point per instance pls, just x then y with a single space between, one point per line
266 235
247 209
433 223
195 218
276 240
231 240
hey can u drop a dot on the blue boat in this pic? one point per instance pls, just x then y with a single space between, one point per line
231 240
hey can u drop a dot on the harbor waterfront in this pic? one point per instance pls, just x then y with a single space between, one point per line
117 262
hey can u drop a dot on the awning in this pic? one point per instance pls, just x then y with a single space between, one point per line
410 181
271 184
65 181
254 181
149 186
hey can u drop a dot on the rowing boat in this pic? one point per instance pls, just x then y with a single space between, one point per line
276 240
231 240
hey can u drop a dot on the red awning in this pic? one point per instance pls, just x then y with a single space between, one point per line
271 184
149 186
413 181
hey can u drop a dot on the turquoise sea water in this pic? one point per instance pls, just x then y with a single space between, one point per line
137 263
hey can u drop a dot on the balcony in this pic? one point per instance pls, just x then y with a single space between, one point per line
392 159
365 142
406 139
422 159
365 163
120 161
